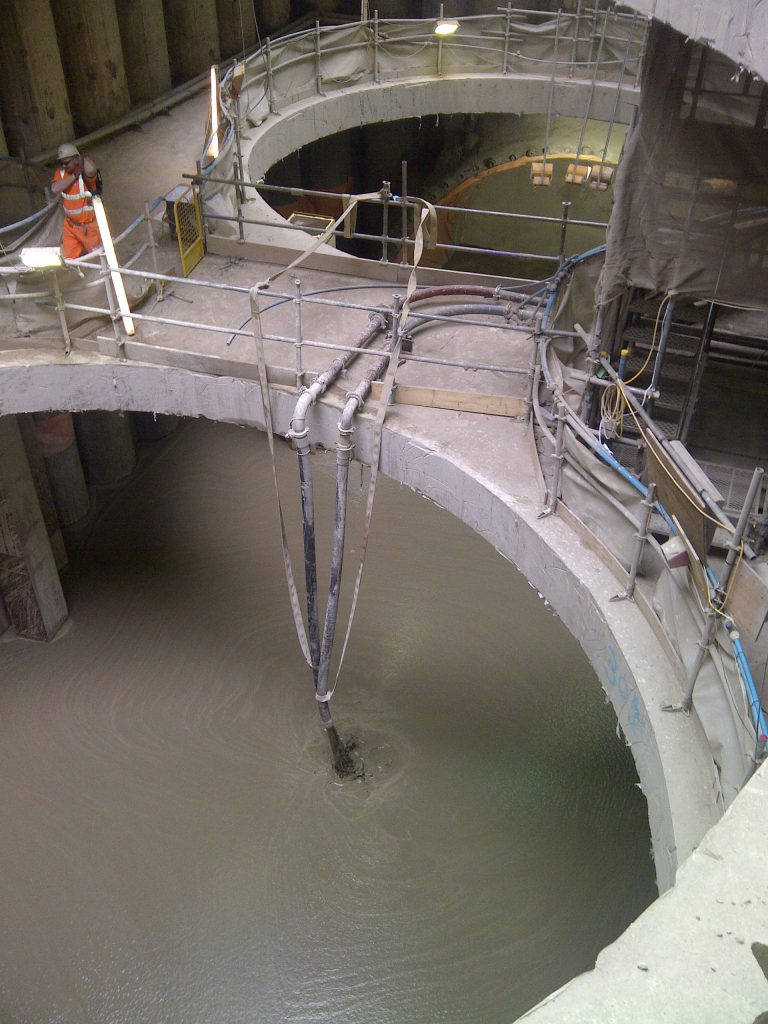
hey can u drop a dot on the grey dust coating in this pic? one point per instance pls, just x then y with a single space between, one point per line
174 846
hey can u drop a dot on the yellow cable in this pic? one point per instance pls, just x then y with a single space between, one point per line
663 302
688 498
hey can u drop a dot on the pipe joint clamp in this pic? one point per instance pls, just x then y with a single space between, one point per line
350 395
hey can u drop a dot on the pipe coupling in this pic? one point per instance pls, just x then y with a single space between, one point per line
353 396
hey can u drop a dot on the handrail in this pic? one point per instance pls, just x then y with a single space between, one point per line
498 40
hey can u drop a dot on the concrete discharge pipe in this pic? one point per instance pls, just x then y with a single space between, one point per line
299 432
344 449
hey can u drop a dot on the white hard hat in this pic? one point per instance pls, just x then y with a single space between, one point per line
67 150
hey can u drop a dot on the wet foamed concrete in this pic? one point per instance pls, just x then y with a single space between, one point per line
180 850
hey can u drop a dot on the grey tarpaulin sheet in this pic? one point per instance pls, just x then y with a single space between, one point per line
691 201
611 507
302 65
718 698
23 316
576 302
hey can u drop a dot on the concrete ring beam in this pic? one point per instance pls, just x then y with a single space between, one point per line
673 760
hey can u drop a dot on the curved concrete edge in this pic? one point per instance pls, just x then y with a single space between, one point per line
319 116
688 958
316 117
673 760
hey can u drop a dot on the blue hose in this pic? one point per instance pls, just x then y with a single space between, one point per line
758 718
568 265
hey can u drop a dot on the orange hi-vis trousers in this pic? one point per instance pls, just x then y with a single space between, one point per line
78 239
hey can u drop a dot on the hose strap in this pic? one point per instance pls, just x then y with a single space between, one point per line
266 402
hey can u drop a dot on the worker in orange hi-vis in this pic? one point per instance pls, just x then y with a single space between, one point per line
77 181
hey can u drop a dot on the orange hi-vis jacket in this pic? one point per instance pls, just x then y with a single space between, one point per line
77 200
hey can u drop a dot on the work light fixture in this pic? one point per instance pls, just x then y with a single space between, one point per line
42 256
445 26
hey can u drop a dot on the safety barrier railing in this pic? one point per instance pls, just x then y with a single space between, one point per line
389 202
711 585
101 276
594 42
542 331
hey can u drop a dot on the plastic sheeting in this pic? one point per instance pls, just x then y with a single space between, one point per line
691 213
718 697
343 56
611 507
30 306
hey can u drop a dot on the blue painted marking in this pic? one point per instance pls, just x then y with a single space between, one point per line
632 714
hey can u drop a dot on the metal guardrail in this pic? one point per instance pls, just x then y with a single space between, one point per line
387 201
277 59
300 339
595 42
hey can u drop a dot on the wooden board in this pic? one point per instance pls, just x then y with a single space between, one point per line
748 600
696 570
679 498
456 401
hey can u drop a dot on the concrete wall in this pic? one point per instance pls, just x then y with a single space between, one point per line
29 579
371 103
145 48
237 27
193 37
320 116
88 61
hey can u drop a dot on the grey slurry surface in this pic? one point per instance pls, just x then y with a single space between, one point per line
174 846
